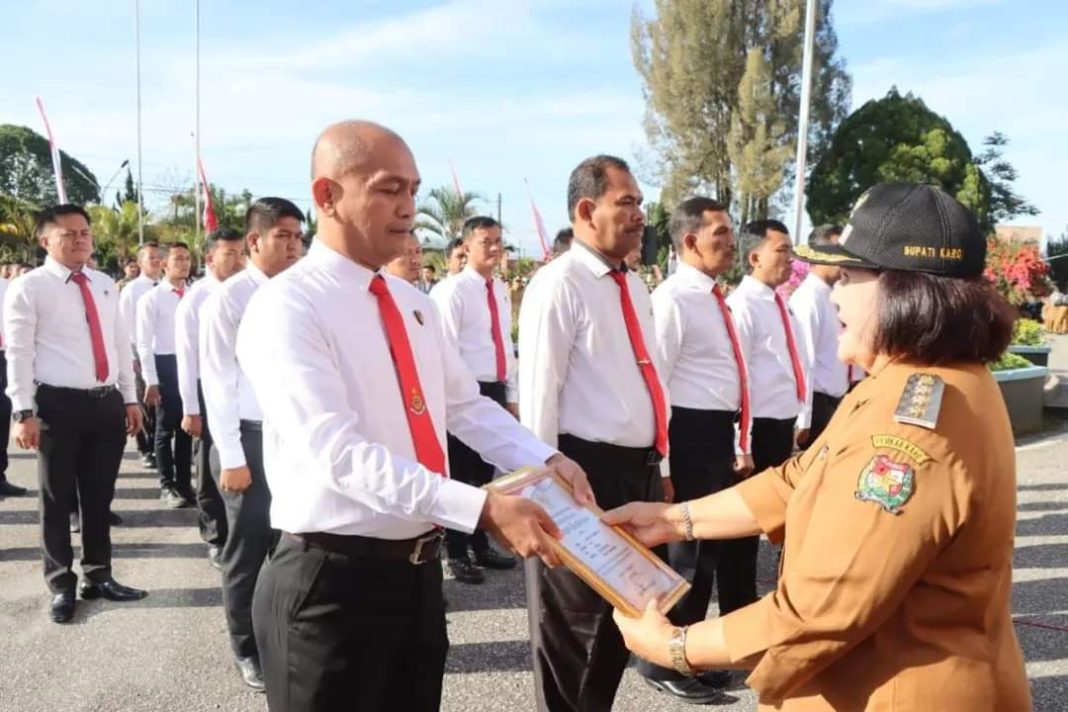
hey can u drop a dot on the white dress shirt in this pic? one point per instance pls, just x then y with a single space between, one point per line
772 385
817 339
465 316
337 447
694 346
47 335
129 298
577 370
228 395
187 340
3 292
155 328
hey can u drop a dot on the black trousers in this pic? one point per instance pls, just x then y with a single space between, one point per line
249 541
82 439
578 652
465 465
823 407
146 436
702 462
773 444
5 416
338 633
211 511
174 447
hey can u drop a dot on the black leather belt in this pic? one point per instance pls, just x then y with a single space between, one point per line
641 455
95 393
253 425
417 551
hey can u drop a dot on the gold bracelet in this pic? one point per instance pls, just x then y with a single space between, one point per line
687 522
677 651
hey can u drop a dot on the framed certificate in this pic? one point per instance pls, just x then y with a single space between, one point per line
615 564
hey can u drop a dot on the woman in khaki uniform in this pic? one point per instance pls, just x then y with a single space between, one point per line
898 522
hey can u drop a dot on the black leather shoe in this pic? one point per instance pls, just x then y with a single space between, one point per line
689 691
111 590
114 519
215 557
62 606
493 559
188 495
720 679
75 522
172 499
464 571
250 672
149 461
9 490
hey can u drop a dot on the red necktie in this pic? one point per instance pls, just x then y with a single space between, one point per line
100 354
634 331
795 359
743 372
180 292
495 327
427 446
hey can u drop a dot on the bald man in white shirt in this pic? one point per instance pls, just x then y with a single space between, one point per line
358 385
589 383
818 330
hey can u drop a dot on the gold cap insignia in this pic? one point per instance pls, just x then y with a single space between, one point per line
418 406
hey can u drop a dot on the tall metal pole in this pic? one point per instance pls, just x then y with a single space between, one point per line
196 124
802 115
140 184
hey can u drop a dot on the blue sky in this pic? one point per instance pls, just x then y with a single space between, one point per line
506 89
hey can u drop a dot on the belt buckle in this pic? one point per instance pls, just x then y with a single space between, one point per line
430 544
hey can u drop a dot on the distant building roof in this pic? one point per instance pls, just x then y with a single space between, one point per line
1019 233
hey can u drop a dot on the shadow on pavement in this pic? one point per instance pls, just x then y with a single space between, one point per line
504 656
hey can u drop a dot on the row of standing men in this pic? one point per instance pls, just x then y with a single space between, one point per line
610 377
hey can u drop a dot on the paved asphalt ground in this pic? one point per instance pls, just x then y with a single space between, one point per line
170 651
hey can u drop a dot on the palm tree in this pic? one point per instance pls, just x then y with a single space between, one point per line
115 232
444 211
17 222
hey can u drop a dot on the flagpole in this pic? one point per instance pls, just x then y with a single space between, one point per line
802 115
196 124
140 183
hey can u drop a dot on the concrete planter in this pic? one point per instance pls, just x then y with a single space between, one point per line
1022 390
1038 355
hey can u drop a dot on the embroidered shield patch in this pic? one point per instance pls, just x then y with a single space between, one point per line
886 482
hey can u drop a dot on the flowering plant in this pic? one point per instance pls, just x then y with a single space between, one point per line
798 272
1017 271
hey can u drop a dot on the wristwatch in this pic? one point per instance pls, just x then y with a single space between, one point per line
677 651
21 415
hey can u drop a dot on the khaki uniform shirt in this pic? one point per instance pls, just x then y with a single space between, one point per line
896 573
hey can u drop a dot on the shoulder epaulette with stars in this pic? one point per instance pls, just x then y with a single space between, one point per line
921 400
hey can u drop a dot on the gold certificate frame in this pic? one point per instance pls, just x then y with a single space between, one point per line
615 564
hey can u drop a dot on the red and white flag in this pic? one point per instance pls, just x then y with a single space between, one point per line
455 179
57 168
539 226
211 224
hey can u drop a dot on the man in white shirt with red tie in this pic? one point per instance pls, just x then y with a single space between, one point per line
589 384
68 355
358 385
818 330
273 234
710 429
224 256
777 378
159 367
476 315
150 264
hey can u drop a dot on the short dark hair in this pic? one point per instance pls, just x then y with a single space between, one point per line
223 234
453 246
165 248
49 216
432 268
824 234
754 233
934 320
127 261
562 241
590 180
689 216
479 222
265 213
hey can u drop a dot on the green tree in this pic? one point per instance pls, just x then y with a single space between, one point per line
26 170
896 138
444 211
116 234
1005 204
693 58
17 220
129 190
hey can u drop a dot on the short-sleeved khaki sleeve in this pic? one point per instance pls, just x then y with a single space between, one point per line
767 493
864 523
